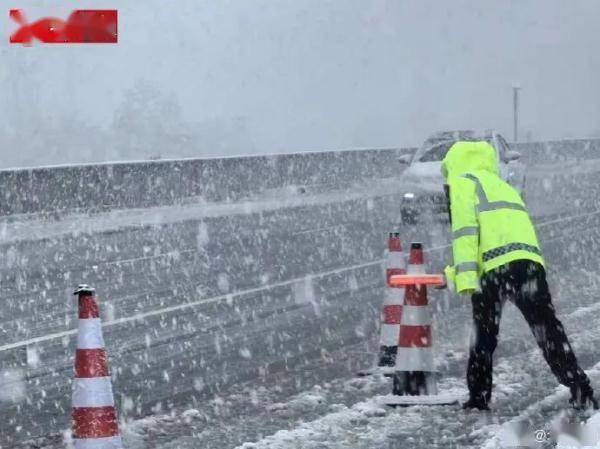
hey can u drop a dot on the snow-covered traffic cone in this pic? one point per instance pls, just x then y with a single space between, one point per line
415 377
391 312
94 416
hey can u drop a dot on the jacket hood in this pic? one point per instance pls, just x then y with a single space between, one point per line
465 157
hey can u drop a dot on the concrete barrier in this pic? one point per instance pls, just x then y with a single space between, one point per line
559 151
157 183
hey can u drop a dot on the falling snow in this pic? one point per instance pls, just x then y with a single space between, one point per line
241 320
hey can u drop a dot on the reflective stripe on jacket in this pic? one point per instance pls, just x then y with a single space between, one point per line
490 223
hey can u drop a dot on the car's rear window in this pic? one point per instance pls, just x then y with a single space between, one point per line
436 153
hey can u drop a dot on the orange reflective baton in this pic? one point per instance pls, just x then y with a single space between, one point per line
403 280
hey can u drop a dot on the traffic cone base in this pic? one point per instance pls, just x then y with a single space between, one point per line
414 383
393 400
387 357
418 388
100 443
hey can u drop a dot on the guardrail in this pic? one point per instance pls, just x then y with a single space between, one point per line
156 183
110 186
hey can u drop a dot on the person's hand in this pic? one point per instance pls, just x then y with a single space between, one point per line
449 275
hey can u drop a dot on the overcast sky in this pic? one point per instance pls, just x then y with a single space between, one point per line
323 74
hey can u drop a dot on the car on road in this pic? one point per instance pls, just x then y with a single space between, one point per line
424 195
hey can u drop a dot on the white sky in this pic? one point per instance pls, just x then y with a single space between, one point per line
324 74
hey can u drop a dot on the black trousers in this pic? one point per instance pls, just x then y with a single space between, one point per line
524 283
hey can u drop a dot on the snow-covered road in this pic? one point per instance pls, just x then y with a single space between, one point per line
243 324
322 404
344 412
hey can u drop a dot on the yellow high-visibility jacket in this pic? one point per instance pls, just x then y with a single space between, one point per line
490 224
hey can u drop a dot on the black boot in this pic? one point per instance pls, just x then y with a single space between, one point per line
478 403
582 397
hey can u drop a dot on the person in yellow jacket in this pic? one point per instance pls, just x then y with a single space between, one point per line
497 256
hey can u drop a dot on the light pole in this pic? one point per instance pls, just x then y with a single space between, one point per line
516 89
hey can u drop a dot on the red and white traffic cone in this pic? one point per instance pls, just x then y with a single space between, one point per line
391 312
95 424
414 362
414 371
392 304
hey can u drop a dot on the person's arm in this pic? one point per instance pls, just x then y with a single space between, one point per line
465 235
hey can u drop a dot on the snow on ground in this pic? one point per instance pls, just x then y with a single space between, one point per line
253 409
329 412
565 428
572 436
325 406
526 398
366 424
